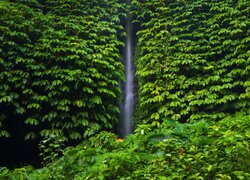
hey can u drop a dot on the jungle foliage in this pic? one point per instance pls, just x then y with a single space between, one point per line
60 65
193 58
164 151
59 70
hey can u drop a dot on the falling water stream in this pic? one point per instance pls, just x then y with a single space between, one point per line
128 87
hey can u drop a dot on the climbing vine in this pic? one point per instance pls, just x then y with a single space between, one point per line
60 66
194 58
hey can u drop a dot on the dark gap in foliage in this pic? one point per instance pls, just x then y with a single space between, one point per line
15 151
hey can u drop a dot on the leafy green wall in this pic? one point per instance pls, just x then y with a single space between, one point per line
193 58
60 65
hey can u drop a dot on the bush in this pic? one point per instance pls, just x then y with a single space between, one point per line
168 150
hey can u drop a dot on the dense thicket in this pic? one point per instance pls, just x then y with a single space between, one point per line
193 58
59 72
59 66
168 151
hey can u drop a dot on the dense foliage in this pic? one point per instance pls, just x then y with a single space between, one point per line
170 150
193 58
59 66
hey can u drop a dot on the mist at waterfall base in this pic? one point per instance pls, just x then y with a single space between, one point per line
128 87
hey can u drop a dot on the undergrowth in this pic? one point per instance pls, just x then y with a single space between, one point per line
168 150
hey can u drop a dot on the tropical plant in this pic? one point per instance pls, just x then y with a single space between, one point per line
168 150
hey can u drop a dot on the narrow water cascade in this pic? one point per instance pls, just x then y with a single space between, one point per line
128 87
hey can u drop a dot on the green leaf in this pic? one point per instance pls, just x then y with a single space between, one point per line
33 106
4 133
31 121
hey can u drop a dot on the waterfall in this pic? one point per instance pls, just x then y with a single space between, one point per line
128 104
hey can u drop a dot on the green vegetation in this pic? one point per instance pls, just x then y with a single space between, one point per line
60 65
193 59
170 150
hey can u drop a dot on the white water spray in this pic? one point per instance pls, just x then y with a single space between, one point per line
128 105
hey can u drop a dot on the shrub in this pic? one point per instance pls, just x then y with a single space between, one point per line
168 150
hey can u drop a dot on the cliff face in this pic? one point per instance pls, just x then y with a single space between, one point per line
59 68
193 59
60 64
